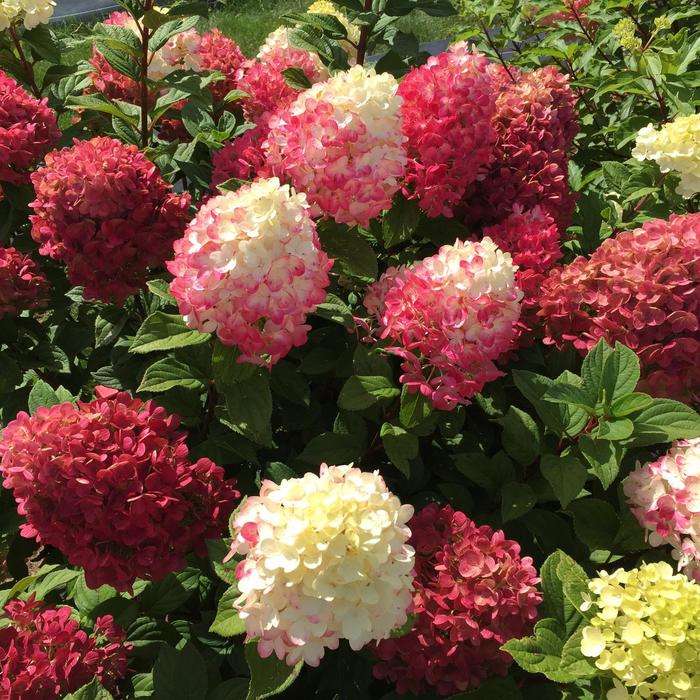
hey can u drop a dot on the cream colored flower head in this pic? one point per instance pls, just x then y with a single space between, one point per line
675 146
31 13
645 632
326 558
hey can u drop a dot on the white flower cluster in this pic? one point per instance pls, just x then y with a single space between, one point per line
31 13
325 559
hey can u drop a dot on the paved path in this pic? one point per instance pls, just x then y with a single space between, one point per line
83 9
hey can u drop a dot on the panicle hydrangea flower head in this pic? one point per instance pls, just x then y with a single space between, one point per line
665 499
450 317
535 123
22 284
264 81
674 146
448 108
645 632
325 7
243 158
44 654
250 268
219 53
104 210
532 238
341 143
325 559
31 13
639 288
472 593
109 484
28 130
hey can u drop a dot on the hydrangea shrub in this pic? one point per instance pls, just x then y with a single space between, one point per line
338 370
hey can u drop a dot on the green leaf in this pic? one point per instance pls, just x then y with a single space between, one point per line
614 429
400 447
268 676
43 42
516 500
665 420
233 689
87 599
594 363
540 653
218 550
289 383
42 395
168 28
559 570
400 222
227 622
249 407
569 395
595 522
360 392
521 436
172 372
162 597
352 253
566 475
108 325
491 473
227 370
94 690
620 373
604 458
573 662
162 331
630 403
98 103
296 78
332 448
180 674
336 310
415 408
53 581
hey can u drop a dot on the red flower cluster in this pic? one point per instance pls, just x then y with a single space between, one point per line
218 52
22 284
243 158
447 112
472 593
640 288
28 130
535 124
109 483
532 238
44 654
104 209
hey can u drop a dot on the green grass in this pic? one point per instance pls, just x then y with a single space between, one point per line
248 22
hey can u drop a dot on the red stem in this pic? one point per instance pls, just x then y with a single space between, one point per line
29 71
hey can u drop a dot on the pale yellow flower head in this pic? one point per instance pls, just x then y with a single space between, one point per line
325 559
31 13
646 632
675 146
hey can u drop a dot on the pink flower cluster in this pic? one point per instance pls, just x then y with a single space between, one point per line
447 112
110 485
250 268
44 654
450 316
103 209
28 130
535 123
340 142
243 158
639 288
22 284
665 499
472 593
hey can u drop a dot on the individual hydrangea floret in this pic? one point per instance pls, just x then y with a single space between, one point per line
341 143
535 123
325 559
250 268
109 483
449 317
639 288
104 210
31 13
665 498
22 284
473 591
44 654
645 632
28 130
448 108
674 146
